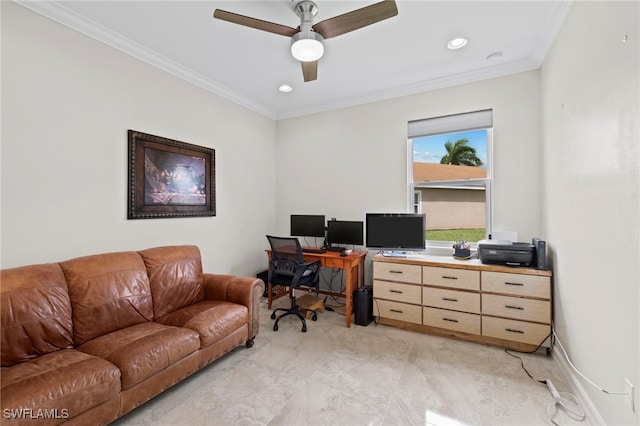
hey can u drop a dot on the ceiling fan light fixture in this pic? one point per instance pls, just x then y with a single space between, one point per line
307 46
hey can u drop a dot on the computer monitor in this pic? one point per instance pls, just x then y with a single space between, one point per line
396 231
307 225
345 232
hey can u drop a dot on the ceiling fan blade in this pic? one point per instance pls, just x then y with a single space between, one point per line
309 70
356 19
258 24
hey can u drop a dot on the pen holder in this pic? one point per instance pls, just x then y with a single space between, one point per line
461 252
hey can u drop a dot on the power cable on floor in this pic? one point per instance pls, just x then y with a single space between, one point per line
561 400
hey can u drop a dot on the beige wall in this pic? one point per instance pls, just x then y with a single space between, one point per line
354 160
67 102
591 196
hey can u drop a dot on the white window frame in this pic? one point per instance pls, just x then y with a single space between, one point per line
452 124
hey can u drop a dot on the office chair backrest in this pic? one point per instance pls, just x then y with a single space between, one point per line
286 255
286 247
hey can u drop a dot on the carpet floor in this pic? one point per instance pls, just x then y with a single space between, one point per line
374 375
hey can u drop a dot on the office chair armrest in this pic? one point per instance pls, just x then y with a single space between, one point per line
308 265
245 291
301 268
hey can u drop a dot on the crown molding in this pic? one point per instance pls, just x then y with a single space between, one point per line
501 70
59 13
534 62
550 31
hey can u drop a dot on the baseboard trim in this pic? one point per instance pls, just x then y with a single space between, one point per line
591 413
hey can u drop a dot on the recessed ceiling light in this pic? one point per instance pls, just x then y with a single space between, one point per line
494 55
457 43
285 88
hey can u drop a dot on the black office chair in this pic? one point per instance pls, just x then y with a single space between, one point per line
288 268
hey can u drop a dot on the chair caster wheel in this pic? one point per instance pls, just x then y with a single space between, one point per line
273 315
275 327
304 328
314 317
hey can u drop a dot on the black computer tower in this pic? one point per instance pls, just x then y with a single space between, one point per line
363 305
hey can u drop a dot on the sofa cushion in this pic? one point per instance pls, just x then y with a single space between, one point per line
35 312
211 319
175 275
142 350
65 383
108 292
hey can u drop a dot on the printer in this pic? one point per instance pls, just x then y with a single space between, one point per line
506 252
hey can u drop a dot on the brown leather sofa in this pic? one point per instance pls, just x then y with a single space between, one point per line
87 340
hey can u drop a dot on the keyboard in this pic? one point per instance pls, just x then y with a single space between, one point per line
336 249
313 250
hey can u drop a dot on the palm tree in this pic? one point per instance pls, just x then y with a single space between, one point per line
460 154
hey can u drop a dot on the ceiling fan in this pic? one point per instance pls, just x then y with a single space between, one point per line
307 40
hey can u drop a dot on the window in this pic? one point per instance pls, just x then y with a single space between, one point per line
449 175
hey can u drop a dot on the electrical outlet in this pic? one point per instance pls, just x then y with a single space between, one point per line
628 388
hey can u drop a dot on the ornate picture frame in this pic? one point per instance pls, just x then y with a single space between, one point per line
169 178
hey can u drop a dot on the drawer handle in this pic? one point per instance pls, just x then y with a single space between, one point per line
514 307
447 277
449 299
450 320
511 330
511 283
396 311
395 272
395 291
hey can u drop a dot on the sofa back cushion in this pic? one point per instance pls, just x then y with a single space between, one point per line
108 292
35 312
175 274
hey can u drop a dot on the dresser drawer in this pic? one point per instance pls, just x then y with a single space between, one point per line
513 330
516 284
451 299
449 277
397 311
517 308
397 291
451 320
397 272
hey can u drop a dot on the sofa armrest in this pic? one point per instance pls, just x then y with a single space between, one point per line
246 291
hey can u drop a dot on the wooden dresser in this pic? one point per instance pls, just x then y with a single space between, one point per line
498 305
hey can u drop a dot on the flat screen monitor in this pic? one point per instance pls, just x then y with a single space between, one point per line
396 231
345 232
307 225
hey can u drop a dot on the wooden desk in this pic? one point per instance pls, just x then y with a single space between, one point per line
354 279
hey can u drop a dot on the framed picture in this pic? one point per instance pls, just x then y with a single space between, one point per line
169 178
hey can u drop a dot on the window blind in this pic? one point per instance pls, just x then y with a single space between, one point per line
451 123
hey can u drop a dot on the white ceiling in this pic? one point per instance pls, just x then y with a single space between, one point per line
402 55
